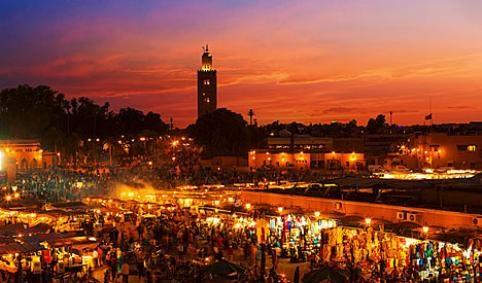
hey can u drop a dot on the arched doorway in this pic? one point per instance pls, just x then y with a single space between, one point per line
34 164
23 164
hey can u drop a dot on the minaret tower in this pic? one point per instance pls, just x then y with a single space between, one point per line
206 85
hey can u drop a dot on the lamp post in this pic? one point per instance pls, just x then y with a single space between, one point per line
425 231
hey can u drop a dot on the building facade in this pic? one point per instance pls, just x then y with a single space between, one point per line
24 155
441 150
331 161
206 85
266 158
300 143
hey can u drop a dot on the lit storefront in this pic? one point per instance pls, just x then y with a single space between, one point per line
348 161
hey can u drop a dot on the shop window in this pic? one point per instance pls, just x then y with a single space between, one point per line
465 147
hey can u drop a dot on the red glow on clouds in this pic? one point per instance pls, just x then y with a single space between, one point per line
307 61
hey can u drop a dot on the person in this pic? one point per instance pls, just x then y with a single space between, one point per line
296 278
100 254
140 268
125 272
148 276
107 275
113 267
140 231
273 275
95 255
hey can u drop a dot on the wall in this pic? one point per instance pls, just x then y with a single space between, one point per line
438 150
24 155
429 217
258 159
301 160
336 161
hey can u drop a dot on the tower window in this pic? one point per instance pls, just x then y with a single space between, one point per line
206 82
204 94
207 100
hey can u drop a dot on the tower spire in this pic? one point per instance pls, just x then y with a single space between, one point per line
207 90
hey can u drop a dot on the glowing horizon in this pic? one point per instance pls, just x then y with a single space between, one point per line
305 61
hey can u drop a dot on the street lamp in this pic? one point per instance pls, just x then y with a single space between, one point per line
248 206
317 214
280 209
425 230
368 221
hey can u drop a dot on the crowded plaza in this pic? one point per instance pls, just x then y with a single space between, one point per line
92 226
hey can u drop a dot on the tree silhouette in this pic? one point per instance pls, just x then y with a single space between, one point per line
221 132
43 113
377 125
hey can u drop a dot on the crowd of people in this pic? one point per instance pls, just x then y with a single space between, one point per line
177 244
166 240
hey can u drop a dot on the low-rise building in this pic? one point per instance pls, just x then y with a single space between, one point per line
441 150
273 158
300 143
307 160
346 161
24 155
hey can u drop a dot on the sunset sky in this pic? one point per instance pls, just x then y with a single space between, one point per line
309 61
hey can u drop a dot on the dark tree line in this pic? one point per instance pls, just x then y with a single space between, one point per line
42 113
224 132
